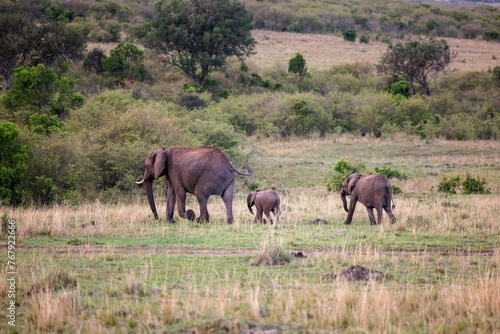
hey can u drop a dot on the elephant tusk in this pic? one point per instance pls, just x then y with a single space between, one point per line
140 182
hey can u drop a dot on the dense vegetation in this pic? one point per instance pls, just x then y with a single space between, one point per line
82 122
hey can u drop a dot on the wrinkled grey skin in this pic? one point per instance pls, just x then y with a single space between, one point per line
201 171
265 201
373 191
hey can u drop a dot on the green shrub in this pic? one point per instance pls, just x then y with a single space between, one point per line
191 101
297 65
491 35
495 73
391 173
13 163
340 171
396 190
305 117
45 124
364 38
93 61
125 62
449 185
472 185
469 185
349 35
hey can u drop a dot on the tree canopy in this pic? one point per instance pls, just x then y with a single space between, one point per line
416 61
197 36
13 157
29 39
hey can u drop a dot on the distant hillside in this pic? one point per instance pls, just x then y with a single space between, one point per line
275 49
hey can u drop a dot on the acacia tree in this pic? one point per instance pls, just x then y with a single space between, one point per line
416 61
197 35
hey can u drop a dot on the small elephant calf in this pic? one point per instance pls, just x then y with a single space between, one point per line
266 201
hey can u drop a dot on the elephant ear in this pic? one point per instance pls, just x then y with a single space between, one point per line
155 163
351 181
159 162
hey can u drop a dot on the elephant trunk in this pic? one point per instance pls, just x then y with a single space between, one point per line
148 186
250 201
344 201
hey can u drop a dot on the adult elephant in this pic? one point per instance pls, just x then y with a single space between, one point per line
201 171
374 191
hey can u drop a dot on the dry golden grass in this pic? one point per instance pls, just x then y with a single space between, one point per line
303 308
275 49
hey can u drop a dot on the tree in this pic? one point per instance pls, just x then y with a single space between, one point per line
416 61
125 61
37 89
197 36
29 40
297 65
13 163
93 61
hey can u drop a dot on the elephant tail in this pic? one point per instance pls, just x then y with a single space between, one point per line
249 171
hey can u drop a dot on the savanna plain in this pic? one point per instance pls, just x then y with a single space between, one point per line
111 268
102 267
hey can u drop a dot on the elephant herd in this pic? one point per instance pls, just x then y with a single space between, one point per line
205 171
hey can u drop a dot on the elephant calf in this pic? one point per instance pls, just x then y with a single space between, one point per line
265 201
374 191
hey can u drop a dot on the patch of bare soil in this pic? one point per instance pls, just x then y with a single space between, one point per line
275 49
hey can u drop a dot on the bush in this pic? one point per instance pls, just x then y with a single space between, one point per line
364 38
473 185
449 185
491 35
13 163
191 101
305 117
470 185
349 35
392 173
297 65
340 171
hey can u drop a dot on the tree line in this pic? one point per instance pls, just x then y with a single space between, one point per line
75 123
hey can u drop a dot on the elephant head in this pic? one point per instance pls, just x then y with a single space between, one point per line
251 200
154 167
347 187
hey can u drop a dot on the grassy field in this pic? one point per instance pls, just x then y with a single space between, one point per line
112 268
275 49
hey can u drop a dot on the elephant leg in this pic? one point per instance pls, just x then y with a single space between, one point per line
268 214
259 215
170 202
350 214
227 197
181 204
379 215
371 216
390 214
203 218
